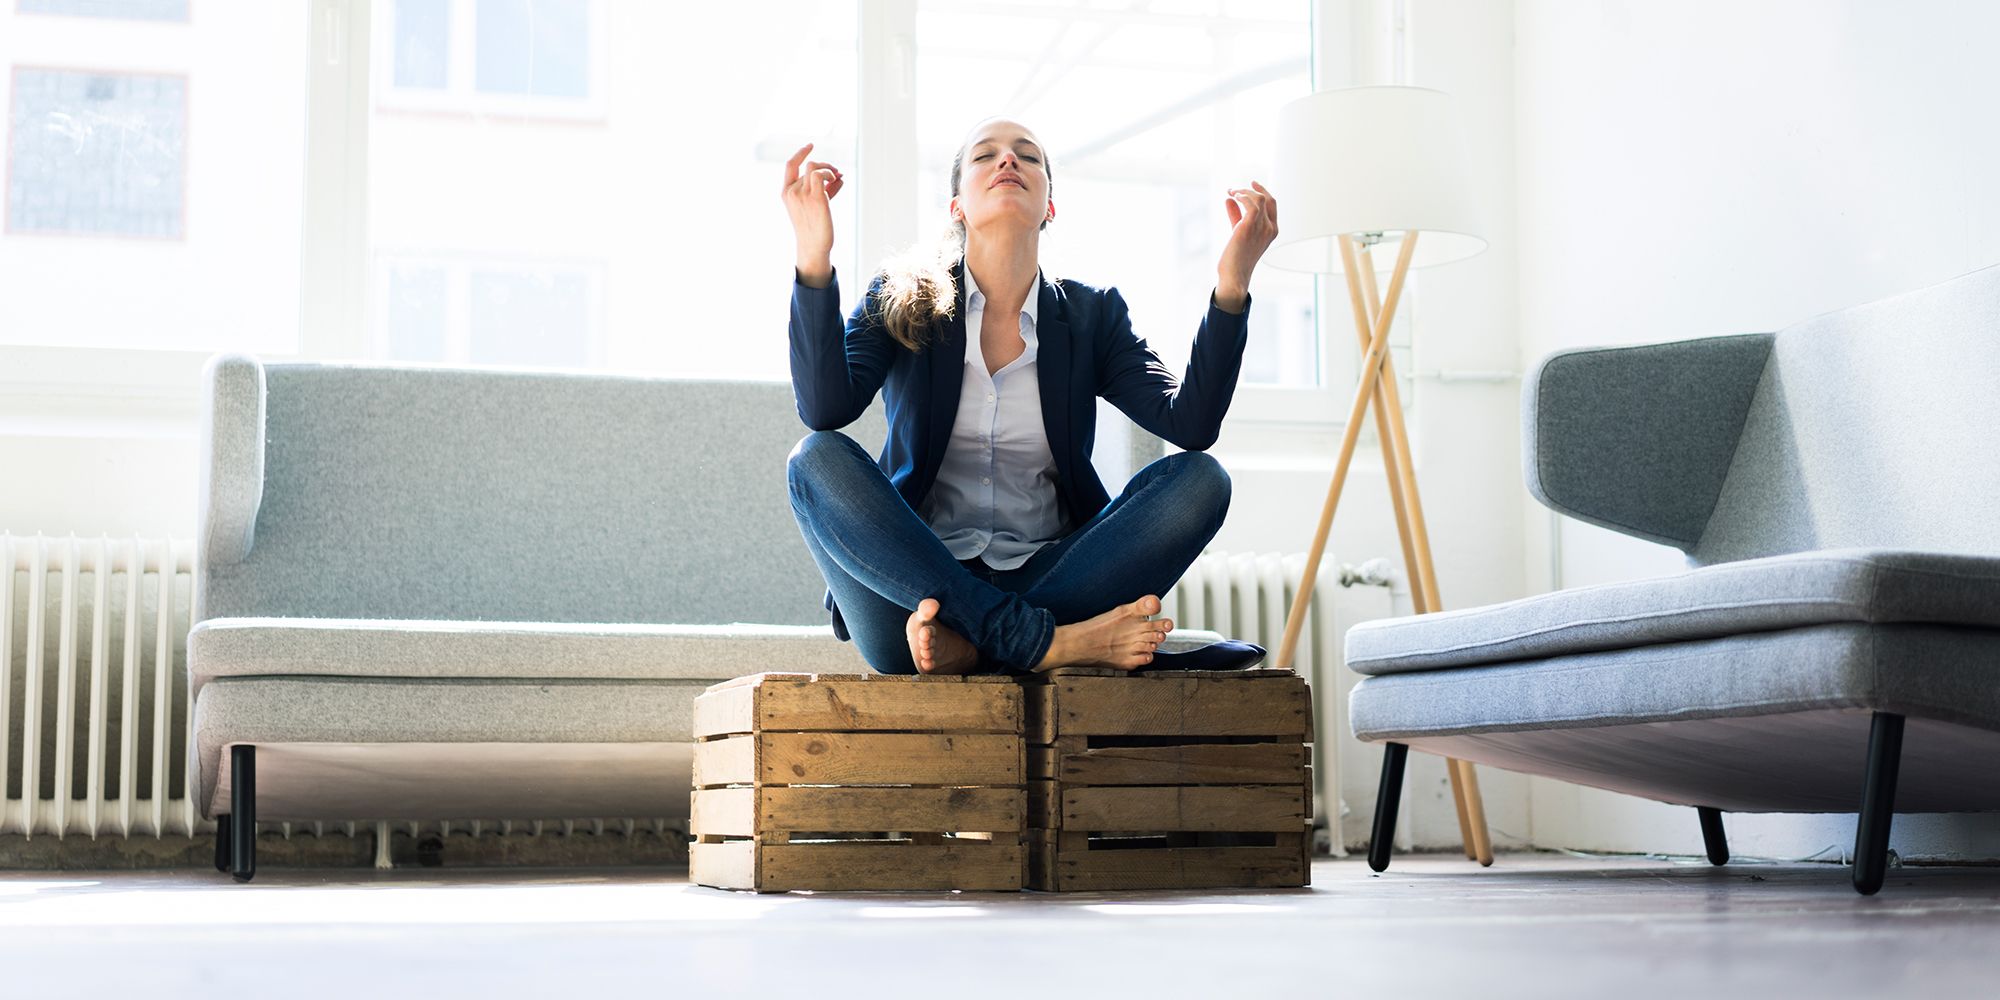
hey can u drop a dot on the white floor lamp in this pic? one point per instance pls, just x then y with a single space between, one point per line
1360 168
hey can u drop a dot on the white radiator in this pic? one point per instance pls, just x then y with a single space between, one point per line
93 697
1247 596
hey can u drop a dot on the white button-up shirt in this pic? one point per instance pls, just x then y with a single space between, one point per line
995 496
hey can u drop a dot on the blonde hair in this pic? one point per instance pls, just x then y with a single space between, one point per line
917 291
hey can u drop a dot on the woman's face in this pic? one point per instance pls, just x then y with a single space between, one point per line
1003 176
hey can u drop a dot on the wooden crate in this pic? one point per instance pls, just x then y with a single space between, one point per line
839 782
1185 780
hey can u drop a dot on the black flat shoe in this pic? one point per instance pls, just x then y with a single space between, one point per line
1228 654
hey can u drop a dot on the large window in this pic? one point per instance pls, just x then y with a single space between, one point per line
594 183
155 170
1150 112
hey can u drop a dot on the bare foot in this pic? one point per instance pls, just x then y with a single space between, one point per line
1123 637
934 648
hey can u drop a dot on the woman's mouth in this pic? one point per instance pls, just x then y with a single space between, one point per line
1010 180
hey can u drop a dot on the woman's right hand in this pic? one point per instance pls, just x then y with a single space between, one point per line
808 196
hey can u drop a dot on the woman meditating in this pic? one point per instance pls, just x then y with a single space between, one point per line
982 540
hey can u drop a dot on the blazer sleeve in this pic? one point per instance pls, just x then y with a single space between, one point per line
1187 412
836 368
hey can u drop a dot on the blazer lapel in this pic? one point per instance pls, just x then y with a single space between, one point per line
1054 369
947 360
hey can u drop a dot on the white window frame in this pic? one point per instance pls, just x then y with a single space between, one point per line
336 300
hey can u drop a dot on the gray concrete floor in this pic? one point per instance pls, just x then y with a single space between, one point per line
1533 925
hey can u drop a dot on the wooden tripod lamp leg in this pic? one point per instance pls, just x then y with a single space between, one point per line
1378 348
1472 829
1359 266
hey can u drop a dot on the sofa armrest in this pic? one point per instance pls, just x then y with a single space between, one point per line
232 459
1639 439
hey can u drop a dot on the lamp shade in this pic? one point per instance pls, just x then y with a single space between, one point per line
1367 160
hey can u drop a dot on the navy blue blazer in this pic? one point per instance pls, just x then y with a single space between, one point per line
1086 349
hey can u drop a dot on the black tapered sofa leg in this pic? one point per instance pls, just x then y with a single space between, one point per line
222 842
1394 756
1712 835
1878 803
243 812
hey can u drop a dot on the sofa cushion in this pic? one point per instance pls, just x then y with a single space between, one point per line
305 647
1758 595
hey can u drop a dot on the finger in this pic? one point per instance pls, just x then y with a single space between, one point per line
1271 202
792 165
833 187
1248 207
1235 212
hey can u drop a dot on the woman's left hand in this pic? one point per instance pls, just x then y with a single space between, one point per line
1253 220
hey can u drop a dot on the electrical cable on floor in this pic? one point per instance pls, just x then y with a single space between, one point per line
1840 856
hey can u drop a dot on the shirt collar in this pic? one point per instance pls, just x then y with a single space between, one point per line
975 300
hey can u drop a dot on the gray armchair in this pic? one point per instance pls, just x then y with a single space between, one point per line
1836 647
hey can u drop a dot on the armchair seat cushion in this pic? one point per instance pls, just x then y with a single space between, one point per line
1866 586
1764 721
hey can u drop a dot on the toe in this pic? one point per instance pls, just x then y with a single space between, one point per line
1148 605
927 608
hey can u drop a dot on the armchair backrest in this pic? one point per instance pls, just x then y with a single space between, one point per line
1876 426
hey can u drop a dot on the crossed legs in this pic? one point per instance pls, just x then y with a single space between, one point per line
1087 598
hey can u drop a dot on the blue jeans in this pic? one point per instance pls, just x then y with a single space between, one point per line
880 558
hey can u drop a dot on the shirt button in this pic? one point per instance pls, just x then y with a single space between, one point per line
985 480
989 397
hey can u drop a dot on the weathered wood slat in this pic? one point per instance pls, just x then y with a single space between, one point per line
731 761
724 812
1185 764
1199 808
730 865
1170 706
722 711
859 706
924 810
1285 864
889 759
835 867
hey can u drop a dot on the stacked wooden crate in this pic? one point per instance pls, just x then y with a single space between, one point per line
1169 781
833 782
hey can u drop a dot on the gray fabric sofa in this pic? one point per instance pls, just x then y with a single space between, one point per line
440 594
1836 646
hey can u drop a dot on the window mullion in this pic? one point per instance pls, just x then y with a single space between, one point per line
885 170
333 284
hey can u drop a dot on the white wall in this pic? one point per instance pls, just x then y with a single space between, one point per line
1722 166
